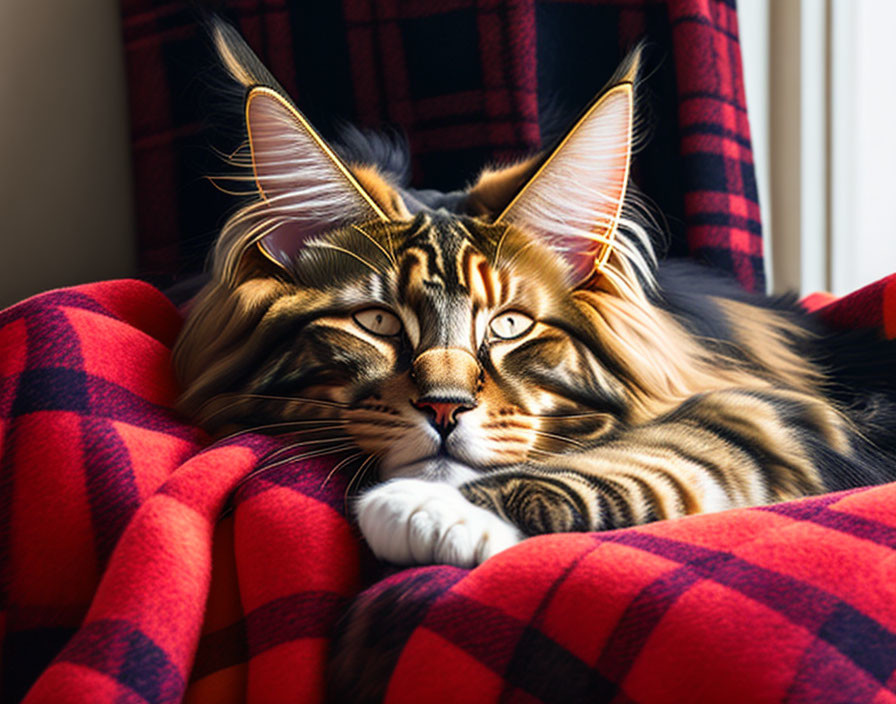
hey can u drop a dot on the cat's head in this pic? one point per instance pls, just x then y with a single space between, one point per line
442 343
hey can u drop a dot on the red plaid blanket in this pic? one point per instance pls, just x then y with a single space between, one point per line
120 583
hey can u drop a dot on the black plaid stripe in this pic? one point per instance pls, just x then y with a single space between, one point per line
538 662
802 604
117 649
305 615
524 657
25 655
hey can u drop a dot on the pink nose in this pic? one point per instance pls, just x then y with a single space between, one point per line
442 414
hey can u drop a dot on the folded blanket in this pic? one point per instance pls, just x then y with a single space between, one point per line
123 583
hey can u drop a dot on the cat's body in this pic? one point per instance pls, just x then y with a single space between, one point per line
509 360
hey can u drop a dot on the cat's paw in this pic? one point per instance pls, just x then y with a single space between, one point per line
416 522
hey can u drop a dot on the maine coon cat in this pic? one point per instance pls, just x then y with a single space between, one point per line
512 360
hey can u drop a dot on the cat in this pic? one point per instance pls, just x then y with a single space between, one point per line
512 360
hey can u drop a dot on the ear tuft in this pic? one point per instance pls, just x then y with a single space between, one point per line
240 61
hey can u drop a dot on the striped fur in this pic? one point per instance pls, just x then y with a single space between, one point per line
464 352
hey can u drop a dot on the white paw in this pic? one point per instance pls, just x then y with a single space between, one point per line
416 522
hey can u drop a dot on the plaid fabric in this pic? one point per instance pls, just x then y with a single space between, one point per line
872 306
468 82
112 553
120 583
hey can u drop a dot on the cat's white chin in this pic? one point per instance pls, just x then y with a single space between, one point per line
419 522
434 469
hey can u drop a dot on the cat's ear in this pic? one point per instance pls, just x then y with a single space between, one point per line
307 185
574 198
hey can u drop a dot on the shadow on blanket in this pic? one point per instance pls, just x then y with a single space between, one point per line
121 583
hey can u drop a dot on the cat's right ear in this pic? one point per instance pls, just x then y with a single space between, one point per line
306 186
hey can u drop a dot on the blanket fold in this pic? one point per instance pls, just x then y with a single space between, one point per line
123 582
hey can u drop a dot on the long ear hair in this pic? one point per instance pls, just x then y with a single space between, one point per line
576 197
303 187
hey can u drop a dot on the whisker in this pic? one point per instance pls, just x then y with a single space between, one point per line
359 472
301 399
303 456
359 475
339 466
497 256
318 429
376 430
546 454
306 443
519 252
214 181
228 509
589 414
554 436
239 398
220 410
334 423
342 250
389 255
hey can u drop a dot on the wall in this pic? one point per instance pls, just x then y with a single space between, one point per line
864 143
821 95
65 183
753 22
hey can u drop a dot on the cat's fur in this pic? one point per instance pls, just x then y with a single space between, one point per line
510 360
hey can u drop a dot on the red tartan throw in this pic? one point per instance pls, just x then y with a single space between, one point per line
121 583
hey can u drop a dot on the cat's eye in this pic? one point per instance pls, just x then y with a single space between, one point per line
379 321
510 325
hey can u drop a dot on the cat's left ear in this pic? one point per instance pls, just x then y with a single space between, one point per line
303 179
308 187
574 198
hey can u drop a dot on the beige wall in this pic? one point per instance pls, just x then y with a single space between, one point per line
65 183
785 45
830 100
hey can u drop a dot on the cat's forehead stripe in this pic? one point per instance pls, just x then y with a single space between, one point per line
477 277
443 247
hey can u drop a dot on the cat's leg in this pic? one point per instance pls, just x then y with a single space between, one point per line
717 451
419 522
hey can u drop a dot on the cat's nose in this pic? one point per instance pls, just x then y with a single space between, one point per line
446 374
442 414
